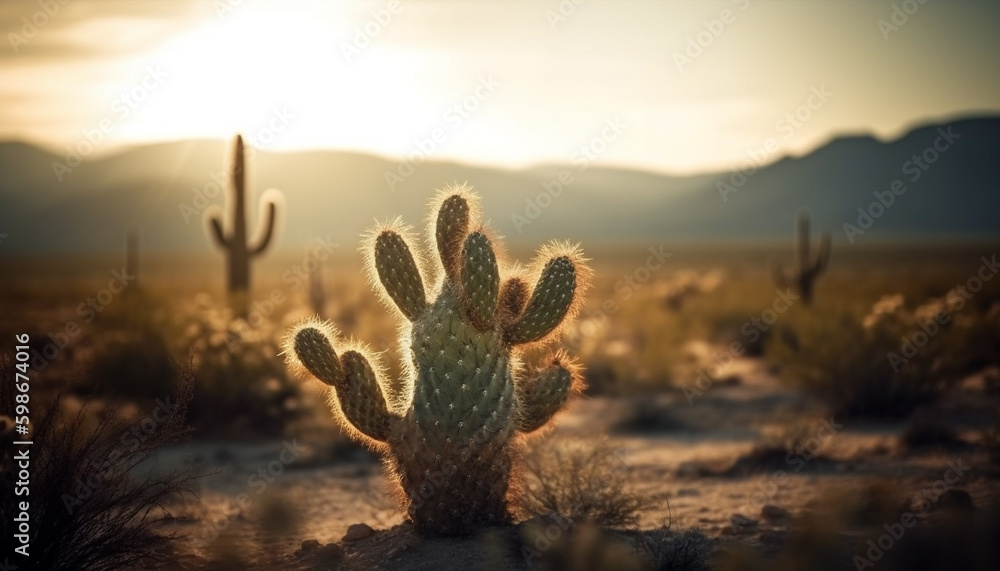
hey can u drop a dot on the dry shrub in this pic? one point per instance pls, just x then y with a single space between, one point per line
579 480
547 543
667 550
797 447
115 522
124 356
243 386
871 367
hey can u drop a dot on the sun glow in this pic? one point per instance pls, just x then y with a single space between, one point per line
278 76
261 65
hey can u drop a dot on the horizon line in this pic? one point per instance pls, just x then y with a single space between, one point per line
118 149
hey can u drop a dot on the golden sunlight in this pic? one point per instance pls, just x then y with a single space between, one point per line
257 70
546 284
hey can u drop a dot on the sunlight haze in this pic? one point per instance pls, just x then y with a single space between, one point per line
537 83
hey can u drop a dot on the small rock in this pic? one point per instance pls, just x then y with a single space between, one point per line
687 493
330 552
694 469
689 470
957 500
309 545
742 524
729 381
358 531
771 537
773 513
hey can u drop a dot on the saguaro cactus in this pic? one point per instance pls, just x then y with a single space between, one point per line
238 250
132 256
806 269
451 434
317 296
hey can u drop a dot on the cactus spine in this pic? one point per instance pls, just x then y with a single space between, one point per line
452 434
238 250
807 269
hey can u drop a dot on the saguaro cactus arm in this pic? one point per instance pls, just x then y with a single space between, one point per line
233 240
268 213
268 217
806 269
218 233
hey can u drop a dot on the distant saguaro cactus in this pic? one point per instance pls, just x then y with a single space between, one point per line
807 269
452 433
132 256
238 250
317 297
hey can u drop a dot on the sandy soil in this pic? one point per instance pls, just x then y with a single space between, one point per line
692 462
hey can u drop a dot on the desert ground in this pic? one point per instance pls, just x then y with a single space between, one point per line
727 424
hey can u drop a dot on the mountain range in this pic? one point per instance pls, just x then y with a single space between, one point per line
948 173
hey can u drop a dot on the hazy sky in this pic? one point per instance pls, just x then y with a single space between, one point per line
536 84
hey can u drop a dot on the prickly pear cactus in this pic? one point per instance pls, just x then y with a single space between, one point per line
452 433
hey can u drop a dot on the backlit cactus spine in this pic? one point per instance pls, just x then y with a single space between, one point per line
239 251
451 434
807 269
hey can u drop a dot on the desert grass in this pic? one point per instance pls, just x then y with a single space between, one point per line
94 502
